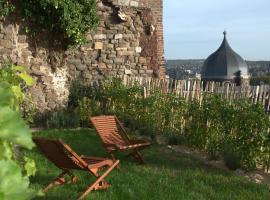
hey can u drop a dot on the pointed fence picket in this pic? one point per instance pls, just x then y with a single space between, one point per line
196 90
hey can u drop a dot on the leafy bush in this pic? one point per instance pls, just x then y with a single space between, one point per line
213 125
70 18
63 119
85 111
14 131
207 125
5 8
230 155
22 101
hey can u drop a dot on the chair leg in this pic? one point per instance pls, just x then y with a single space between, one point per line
137 156
60 180
99 180
114 160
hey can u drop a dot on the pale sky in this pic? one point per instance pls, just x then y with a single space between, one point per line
193 28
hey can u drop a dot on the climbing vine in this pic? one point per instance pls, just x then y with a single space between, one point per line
69 20
5 8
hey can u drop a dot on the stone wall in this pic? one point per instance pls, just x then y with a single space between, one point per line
127 42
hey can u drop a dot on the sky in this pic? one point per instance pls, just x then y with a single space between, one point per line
193 28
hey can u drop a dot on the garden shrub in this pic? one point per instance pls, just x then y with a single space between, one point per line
69 20
6 8
63 119
22 102
207 125
84 111
251 132
14 132
230 155
213 125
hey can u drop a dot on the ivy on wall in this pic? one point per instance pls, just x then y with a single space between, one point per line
5 8
69 20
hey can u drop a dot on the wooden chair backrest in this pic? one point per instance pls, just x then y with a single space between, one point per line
110 130
59 153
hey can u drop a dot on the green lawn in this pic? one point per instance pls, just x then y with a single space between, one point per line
167 175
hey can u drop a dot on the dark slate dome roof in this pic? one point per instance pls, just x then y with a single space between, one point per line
224 64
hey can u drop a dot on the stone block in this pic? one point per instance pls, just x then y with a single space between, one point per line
75 61
123 44
118 36
109 46
81 67
110 36
134 3
142 60
128 36
109 66
126 53
121 49
128 72
102 66
138 49
23 45
123 2
134 71
22 38
100 37
112 56
6 43
98 45
89 37
141 71
118 60
149 71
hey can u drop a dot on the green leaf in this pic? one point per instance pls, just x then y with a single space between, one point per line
5 94
13 184
14 129
30 166
5 150
27 78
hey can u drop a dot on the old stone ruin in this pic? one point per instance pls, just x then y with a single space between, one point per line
127 42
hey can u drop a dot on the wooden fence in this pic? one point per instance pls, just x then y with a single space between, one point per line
195 89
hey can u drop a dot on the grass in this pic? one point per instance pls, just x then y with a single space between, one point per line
167 175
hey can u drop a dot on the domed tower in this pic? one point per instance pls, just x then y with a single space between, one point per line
225 65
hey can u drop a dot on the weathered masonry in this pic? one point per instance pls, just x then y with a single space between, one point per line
128 41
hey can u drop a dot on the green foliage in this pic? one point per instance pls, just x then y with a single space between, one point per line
258 80
13 184
210 125
63 119
85 111
13 131
230 155
18 80
5 8
70 18
213 124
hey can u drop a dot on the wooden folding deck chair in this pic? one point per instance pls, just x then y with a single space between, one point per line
64 158
115 138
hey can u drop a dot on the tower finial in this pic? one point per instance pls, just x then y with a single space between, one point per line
225 33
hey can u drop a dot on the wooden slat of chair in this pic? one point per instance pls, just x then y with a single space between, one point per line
114 137
66 159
